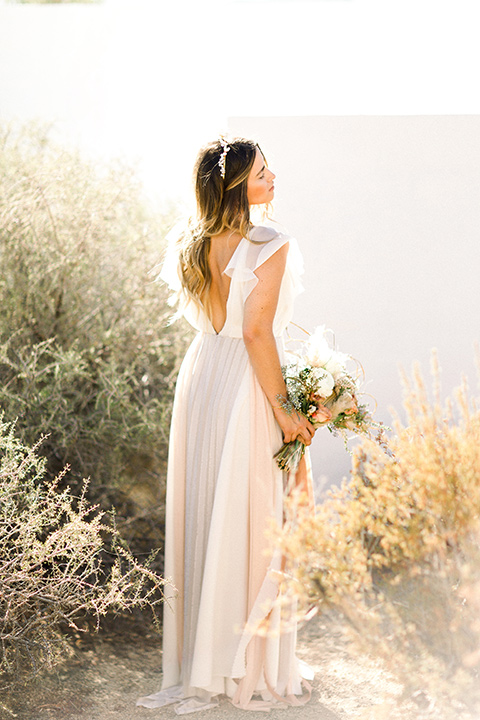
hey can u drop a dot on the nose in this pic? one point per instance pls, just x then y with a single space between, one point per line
272 175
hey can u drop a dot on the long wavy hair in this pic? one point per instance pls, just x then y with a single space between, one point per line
222 204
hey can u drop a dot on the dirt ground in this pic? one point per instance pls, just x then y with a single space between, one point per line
108 672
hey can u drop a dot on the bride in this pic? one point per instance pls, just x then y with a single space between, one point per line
235 283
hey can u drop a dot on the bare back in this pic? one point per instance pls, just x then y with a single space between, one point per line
222 248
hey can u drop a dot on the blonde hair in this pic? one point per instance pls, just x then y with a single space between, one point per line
222 204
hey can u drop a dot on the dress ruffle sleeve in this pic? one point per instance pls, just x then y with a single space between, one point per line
251 254
264 242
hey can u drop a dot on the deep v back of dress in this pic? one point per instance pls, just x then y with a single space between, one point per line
248 255
222 249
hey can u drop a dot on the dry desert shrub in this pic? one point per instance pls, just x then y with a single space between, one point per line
52 572
396 550
87 358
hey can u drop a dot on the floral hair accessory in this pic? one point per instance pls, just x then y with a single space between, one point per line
223 156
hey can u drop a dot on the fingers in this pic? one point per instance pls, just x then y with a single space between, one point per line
300 433
308 437
311 428
297 435
308 431
298 428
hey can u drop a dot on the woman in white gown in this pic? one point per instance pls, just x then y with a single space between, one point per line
236 284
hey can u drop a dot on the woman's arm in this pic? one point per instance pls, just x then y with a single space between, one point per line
260 308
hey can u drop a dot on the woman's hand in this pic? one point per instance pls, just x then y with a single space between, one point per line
294 426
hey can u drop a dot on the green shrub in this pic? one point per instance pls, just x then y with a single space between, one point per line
51 566
86 355
396 550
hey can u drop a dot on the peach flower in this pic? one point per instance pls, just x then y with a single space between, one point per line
322 415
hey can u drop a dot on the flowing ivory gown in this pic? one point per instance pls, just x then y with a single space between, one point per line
223 486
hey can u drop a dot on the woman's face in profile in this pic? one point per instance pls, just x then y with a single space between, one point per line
260 187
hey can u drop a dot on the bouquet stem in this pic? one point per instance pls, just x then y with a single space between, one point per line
289 456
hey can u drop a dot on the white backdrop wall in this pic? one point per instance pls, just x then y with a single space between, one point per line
387 213
386 208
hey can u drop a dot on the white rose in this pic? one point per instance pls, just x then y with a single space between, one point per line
320 354
325 383
337 363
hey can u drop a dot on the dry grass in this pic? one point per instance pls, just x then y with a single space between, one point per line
51 569
396 549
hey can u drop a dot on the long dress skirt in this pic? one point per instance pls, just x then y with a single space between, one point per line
224 632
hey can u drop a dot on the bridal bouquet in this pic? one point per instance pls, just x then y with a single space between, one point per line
320 388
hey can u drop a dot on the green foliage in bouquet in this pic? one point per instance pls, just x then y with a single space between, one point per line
322 388
396 551
86 356
51 567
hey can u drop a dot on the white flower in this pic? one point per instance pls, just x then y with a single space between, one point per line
325 383
320 354
318 351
